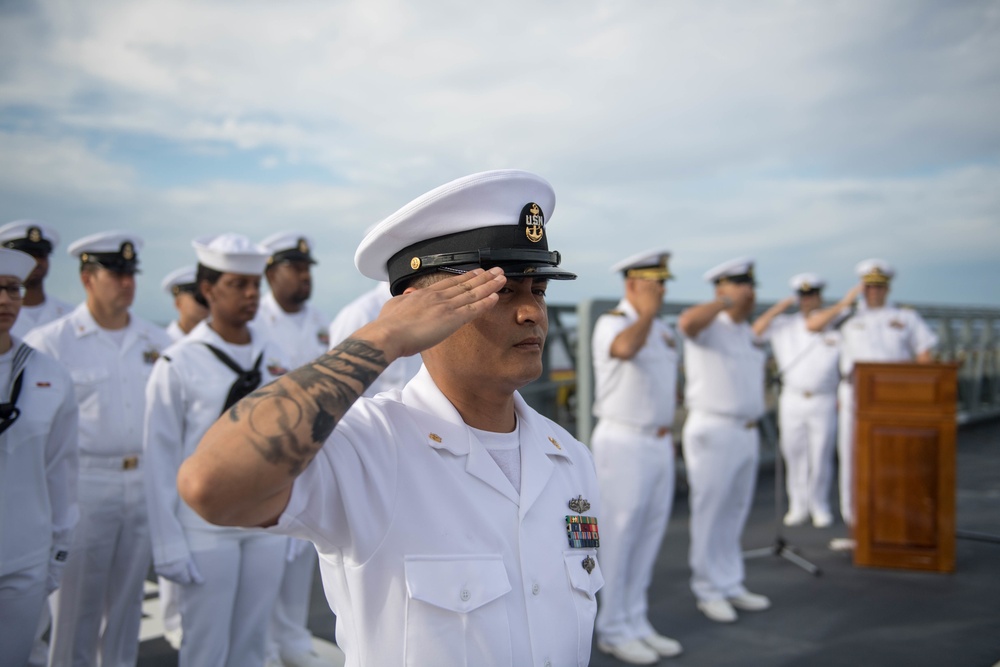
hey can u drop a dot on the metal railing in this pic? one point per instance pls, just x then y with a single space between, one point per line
968 336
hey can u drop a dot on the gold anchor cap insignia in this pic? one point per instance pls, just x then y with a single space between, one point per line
534 222
304 246
128 251
579 504
34 234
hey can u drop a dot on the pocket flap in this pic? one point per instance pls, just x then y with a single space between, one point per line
583 581
458 584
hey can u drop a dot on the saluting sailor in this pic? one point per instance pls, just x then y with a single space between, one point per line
182 285
807 406
38 240
876 332
455 525
38 471
635 371
109 352
724 392
229 578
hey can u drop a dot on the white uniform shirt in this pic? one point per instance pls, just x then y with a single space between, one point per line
110 379
429 556
641 391
185 395
38 464
301 336
724 370
807 360
360 312
31 317
884 335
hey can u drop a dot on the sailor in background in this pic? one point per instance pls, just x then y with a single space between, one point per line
356 314
724 392
38 240
229 578
182 286
807 407
455 525
109 352
38 471
877 332
300 330
635 370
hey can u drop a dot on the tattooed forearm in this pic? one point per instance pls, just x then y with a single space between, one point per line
291 418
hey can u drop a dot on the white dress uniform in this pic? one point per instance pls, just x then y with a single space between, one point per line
807 410
634 456
225 618
724 392
356 314
302 336
38 496
99 605
491 580
887 334
32 317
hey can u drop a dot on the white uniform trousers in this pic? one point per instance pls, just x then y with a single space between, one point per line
721 456
635 471
845 450
808 425
290 634
22 598
98 607
225 619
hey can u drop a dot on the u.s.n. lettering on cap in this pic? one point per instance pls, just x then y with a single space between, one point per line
288 247
114 250
492 218
231 253
31 236
16 263
647 265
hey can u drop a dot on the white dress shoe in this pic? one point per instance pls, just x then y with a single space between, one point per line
664 646
822 519
634 652
719 611
843 544
173 638
748 601
795 518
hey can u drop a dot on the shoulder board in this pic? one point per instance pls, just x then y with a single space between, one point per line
616 313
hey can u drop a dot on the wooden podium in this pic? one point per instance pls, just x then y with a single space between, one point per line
904 465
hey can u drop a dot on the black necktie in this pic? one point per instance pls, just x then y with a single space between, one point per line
9 412
246 381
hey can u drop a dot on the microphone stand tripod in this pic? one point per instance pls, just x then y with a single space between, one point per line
780 547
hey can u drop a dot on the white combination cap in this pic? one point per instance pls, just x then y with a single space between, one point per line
16 263
231 253
179 280
31 236
493 218
806 282
735 270
649 265
114 250
289 247
874 271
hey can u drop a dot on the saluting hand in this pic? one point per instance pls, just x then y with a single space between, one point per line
648 296
421 318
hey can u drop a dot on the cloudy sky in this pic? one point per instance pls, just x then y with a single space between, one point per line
809 135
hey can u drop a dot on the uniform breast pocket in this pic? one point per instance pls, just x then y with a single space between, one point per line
456 612
87 383
586 579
